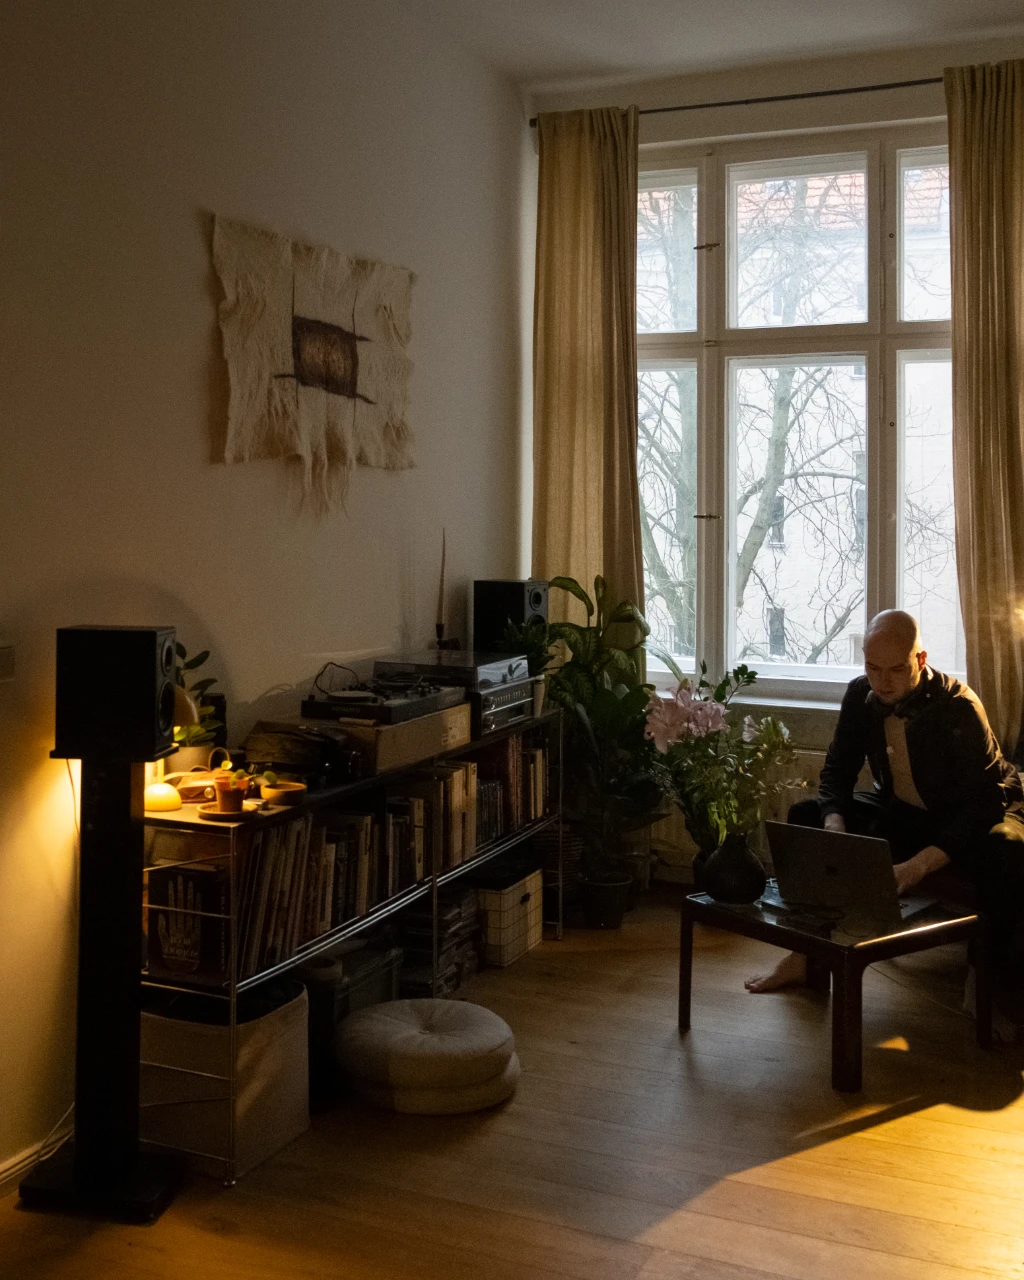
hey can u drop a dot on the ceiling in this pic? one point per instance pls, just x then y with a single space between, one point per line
549 42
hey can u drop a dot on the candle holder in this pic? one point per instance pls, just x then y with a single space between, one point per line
442 643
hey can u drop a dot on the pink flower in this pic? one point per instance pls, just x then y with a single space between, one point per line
683 715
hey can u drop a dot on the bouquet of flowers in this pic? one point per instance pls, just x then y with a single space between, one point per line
723 775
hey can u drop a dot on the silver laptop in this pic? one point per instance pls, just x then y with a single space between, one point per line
842 877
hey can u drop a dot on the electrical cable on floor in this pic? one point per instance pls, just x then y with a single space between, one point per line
74 799
43 1153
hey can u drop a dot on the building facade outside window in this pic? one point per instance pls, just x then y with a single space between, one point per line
795 447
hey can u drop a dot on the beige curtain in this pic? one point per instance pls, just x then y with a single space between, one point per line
985 106
586 517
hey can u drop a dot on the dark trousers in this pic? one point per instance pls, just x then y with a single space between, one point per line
994 874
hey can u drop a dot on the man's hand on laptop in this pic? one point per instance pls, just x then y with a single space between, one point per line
834 822
913 871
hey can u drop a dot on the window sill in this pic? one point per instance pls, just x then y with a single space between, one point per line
823 695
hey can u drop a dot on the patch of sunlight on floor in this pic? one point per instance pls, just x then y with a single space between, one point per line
894 1042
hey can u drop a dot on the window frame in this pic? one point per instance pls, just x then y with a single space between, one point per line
879 340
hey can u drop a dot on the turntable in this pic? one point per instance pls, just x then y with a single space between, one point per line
389 699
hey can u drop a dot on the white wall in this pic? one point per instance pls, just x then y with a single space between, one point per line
125 124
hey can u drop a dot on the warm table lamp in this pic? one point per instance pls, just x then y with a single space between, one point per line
161 797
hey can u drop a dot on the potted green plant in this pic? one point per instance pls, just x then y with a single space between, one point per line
279 791
616 783
723 776
194 740
618 786
605 652
231 787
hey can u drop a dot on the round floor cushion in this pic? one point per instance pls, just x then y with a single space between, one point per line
450 1101
424 1044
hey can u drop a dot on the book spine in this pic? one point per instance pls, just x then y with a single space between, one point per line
471 810
363 874
419 837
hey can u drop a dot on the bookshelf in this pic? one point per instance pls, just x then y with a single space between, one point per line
228 855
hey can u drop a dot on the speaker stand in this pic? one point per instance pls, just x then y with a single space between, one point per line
103 1171
140 1194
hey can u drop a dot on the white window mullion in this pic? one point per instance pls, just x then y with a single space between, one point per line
712 526
712 540
883 484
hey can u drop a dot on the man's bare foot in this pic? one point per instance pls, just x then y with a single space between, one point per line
791 971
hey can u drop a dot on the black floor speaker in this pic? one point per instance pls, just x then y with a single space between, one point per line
115 710
496 603
115 692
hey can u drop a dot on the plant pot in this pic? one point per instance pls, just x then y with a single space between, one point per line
732 873
604 902
283 792
185 759
230 798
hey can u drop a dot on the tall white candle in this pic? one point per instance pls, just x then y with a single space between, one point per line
440 589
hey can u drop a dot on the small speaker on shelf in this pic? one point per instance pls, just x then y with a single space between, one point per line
497 603
115 692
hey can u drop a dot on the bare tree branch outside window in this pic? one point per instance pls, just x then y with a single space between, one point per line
798 424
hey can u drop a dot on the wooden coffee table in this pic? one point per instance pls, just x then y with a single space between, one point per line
828 950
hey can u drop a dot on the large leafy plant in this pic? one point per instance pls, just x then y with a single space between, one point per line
205 732
723 775
618 782
606 652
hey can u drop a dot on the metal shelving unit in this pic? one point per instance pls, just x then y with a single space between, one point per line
334 797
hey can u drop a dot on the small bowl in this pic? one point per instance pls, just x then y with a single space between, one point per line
283 792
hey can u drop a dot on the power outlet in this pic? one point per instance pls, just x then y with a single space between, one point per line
6 661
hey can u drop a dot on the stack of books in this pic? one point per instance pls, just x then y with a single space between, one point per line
458 934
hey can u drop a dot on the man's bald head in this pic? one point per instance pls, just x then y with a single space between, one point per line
893 657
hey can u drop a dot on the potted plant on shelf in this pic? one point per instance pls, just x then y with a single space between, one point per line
195 740
277 790
723 777
231 787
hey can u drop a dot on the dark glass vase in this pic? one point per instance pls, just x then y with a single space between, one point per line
731 873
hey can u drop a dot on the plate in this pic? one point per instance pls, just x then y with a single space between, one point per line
212 814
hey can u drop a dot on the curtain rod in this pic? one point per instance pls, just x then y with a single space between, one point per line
783 97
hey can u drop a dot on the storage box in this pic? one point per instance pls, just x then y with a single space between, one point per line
191 1113
392 746
338 986
513 919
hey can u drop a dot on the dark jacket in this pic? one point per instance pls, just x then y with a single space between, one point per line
957 766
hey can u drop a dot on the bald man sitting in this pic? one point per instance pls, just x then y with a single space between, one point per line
941 785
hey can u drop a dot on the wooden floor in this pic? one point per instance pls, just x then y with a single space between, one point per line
629 1153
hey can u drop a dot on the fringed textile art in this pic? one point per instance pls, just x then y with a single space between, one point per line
316 349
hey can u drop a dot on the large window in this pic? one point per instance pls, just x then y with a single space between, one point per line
795 454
